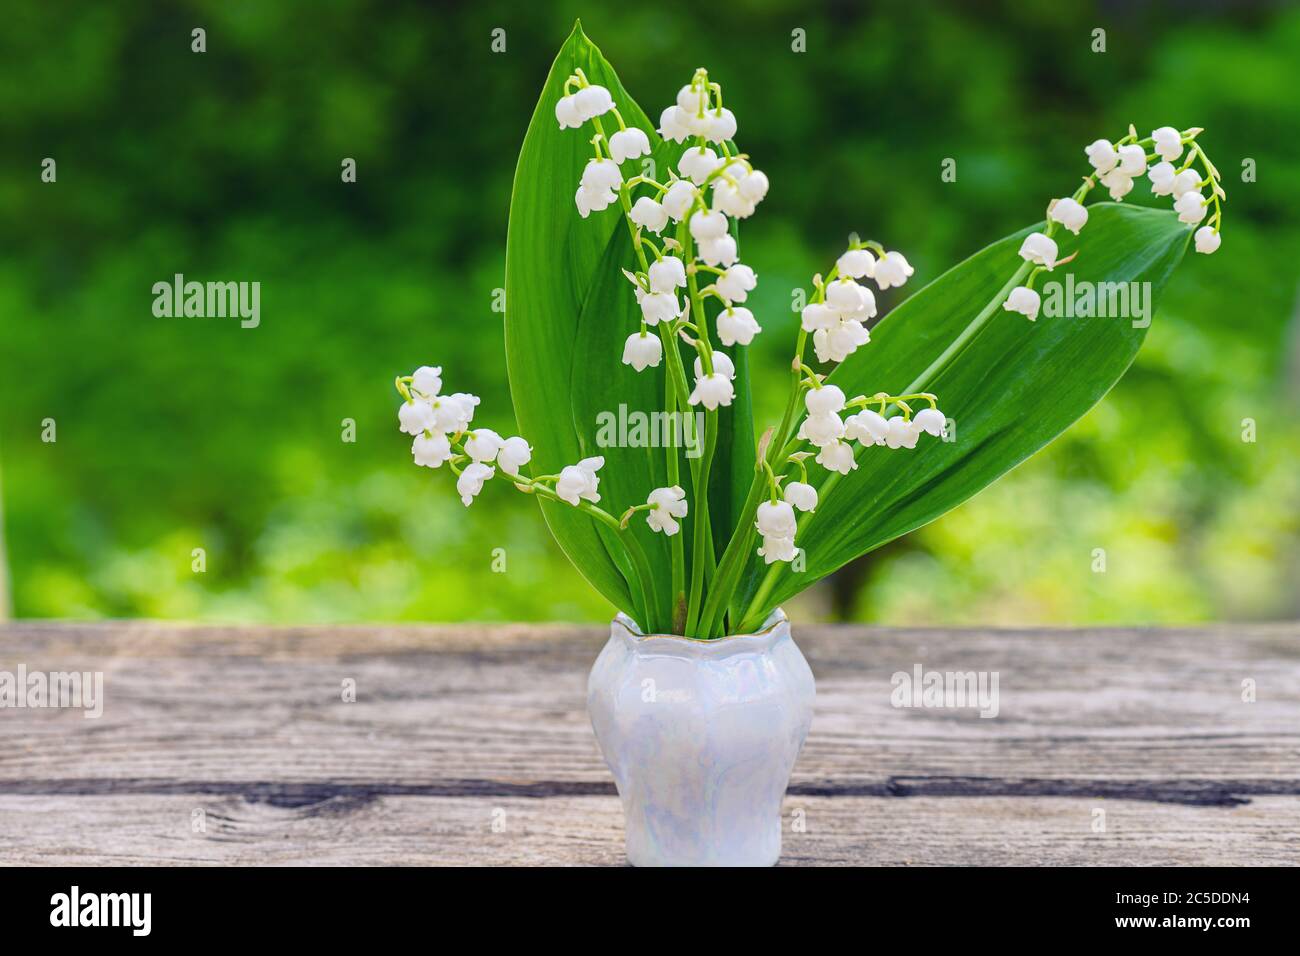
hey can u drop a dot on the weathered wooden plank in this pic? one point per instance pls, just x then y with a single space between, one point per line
451 722
920 831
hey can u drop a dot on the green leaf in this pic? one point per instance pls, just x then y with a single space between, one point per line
552 261
569 310
1015 387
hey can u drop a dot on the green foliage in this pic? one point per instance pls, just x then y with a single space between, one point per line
1014 387
176 434
563 288
569 311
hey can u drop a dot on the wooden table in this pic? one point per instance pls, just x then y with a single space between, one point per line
470 745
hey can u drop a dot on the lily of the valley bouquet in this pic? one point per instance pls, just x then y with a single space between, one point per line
632 292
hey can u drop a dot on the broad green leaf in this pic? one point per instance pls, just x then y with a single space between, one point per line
1015 387
569 311
552 259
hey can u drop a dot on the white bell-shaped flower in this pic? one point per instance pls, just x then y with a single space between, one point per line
431 451
415 417
1118 183
902 433
593 101
775 519
754 186
777 549
827 400
719 252
658 307
471 481
736 283
821 430
580 481
856 264
1168 143
673 126
841 340
567 112
1190 207
817 315
698 124
592 200
708 225
1162 179
514 454
649 215
679 199
667 275
1069 213
848 298
642 350
1102 155
722 364
669 504
600 175
454 412
697 164
1025 301
737 326
803 496
482 444
1132 160
932 422
721 127
629 144
736 170
727 197
427 380
1038 248
1189 180
693 98
892 270
712 391
1207 240
867 426
837 456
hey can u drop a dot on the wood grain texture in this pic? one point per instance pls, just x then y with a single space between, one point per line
456 729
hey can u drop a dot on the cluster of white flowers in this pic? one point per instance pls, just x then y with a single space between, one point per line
601 178
442 436
824 429
832 435
440 426
681 231
837 318
690 214
1116 166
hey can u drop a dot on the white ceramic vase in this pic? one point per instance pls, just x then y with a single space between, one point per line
701 737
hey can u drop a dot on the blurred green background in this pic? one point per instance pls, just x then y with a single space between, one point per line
177 434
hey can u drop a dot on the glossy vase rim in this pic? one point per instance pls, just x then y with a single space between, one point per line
764 637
